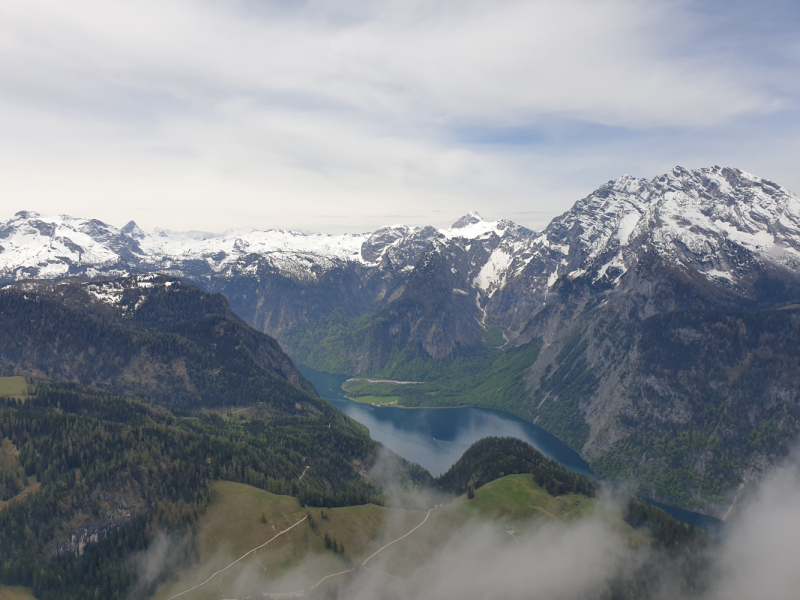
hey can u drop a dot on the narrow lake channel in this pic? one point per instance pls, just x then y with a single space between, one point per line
437 437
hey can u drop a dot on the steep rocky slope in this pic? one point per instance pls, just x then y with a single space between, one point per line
652 327
435 292
151 336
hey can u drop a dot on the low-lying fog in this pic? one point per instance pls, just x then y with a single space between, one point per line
587 559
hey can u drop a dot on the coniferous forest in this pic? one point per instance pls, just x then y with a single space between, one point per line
111 470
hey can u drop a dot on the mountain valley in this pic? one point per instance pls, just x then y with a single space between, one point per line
652 327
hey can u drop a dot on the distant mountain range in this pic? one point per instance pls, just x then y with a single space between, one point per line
725 230
653 327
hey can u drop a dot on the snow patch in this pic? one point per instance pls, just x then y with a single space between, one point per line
627 225
716 274
492 274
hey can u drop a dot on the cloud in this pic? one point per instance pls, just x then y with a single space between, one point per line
280 110
164 555
589 558
759 556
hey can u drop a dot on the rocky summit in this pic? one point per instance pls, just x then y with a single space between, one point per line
731 233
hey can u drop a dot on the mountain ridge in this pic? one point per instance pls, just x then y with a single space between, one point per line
564 324
706 212
151 336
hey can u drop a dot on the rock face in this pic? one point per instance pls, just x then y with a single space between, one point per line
664 309
146 335
434 292
289 284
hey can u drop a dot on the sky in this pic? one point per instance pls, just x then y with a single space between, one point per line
346 115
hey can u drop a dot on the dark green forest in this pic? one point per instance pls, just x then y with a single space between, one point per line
119 469
181 347
494 457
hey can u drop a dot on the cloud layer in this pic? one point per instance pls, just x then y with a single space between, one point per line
589 558
282 112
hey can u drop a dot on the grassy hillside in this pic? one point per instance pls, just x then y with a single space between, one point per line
517 497
283 535
241 518
15 592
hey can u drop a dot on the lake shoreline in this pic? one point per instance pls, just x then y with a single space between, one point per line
424 435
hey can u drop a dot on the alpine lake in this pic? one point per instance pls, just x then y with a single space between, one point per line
435 438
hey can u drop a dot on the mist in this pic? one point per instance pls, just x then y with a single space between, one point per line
588 558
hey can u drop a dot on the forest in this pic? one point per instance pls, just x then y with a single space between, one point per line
112 470
180 347
493 457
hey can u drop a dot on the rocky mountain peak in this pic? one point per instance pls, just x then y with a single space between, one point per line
131 229
470 218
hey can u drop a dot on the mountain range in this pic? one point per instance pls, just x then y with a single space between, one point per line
653 326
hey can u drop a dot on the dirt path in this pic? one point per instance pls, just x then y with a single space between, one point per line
238 559
303 474
362 565
400 538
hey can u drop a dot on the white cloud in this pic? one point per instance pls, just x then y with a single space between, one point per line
279 110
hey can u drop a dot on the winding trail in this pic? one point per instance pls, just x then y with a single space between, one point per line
238 559
303 474
362 565
398 539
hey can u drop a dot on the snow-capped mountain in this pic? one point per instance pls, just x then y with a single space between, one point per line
48 247
694 218
651 308
722 225
718 225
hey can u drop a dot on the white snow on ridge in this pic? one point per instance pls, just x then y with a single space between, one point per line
492 274
618 262
47 247
682 213
49 243
342 247
475 231
627 225
289 251
715 274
